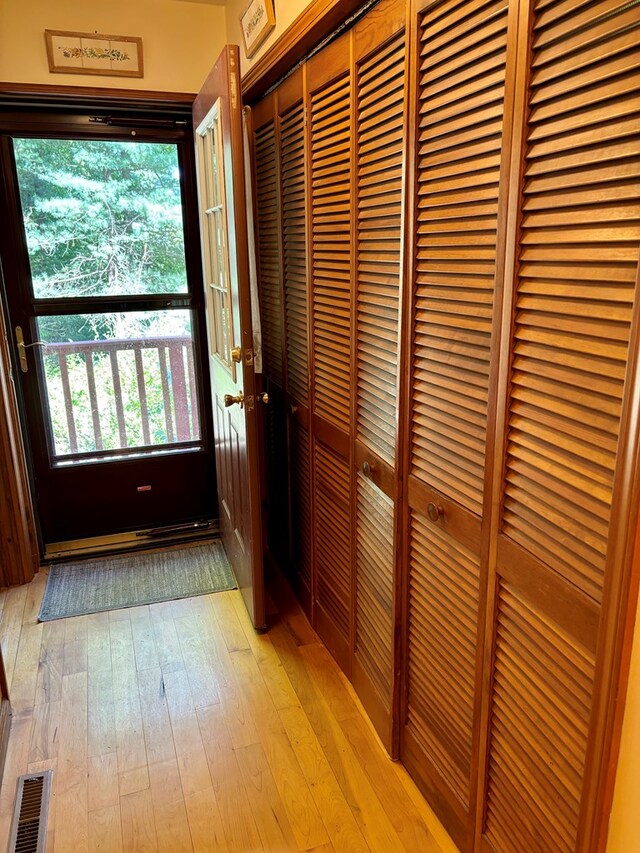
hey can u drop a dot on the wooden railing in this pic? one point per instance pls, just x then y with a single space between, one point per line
177 377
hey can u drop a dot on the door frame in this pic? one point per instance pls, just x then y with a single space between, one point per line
25 102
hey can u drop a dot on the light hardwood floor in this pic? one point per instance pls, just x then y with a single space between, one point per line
175 727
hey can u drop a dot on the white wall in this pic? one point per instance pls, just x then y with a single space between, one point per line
286 12
180 39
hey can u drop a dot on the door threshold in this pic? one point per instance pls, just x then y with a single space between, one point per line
133 540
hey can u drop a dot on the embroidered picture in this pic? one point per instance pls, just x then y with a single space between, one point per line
94 53
257 21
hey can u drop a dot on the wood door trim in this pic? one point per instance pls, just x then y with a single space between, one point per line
32 94
18 539
615 638
313 25
515 117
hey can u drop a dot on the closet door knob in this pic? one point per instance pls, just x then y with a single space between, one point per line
367 469
435 512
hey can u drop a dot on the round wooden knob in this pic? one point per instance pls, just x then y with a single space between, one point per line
367 469
434 511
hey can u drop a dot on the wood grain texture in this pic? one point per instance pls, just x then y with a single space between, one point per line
460 108
269 240
332 532
575 292
296 778
330 195
379 93
294 247
541 706
19 559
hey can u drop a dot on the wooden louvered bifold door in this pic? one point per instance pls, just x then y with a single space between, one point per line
558 558
461 74
330 141
270 282
293 184
379 92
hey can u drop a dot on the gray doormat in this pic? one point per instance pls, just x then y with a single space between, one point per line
90 586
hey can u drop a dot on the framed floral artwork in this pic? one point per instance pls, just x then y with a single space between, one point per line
94 53
257 21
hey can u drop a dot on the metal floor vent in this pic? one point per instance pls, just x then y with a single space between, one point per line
29 827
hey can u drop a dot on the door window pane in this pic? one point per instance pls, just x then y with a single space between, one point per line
119 381
102 218
214 235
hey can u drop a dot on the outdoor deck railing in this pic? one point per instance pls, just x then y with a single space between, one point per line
177 378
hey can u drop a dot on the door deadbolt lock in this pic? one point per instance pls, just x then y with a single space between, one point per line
230 400
236 354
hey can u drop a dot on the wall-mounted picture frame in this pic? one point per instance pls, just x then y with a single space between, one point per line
257 21
94 53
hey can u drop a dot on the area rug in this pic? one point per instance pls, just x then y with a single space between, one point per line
91 586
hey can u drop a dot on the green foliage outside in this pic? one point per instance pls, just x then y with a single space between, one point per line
103 219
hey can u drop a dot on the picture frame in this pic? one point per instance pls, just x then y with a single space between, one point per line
256 22
94 53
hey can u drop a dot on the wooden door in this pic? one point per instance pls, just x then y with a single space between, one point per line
378 156
329 82
107 362
268 218
290 111
217 114
566 428
458 72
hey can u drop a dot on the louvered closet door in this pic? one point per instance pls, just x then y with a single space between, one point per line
379 89
268 228
330 138
558 554
461 62
293 165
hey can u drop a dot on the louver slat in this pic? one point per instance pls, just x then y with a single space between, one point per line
331 250
460 135
460 103
268 233
379 128
301 503
578 259
374 586
292 154
579 255
540 714
332 537
443 611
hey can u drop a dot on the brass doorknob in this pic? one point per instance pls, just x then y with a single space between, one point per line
264 398
230 400
435 512
236 354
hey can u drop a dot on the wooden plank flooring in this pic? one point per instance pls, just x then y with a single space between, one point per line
175 727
